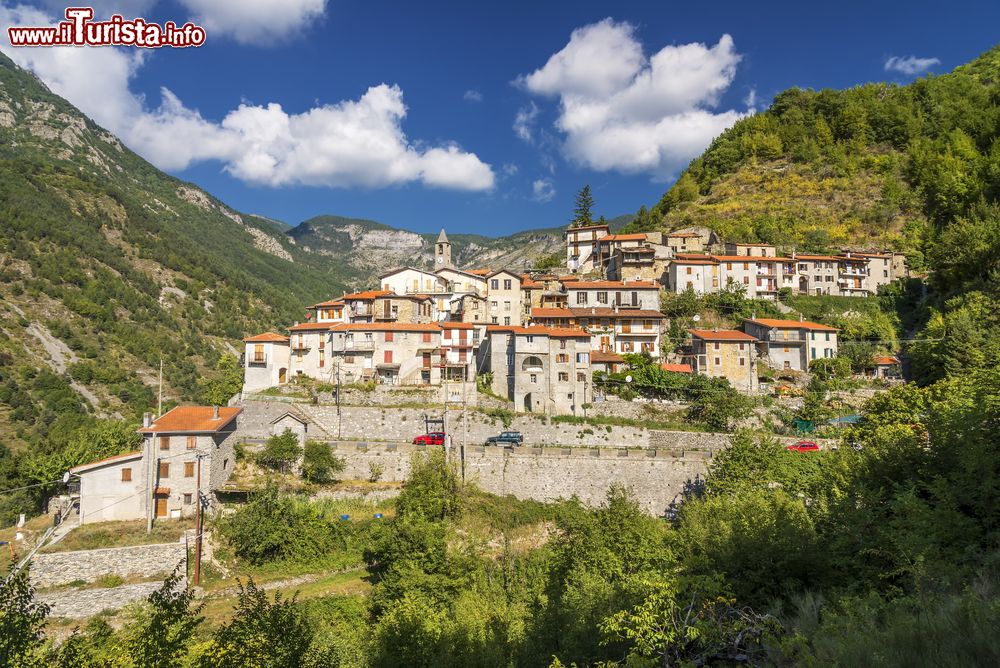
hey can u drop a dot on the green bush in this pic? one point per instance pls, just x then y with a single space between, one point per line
319 465
280 451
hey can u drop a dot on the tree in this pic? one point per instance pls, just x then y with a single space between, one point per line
21 620
262 633
582 211
318 462
716 404
280 451
161 635
227 381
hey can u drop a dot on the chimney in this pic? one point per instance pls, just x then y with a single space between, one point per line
147 419
215 412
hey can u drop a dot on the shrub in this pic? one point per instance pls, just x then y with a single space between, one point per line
319 464
280 451
375 471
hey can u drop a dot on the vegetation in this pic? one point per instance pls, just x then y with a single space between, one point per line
583 208
281 451
319 465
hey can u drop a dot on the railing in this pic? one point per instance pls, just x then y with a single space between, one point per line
258 362
339 347
785 337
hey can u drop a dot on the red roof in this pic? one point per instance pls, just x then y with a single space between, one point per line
479 272
331 302
587 227
367 294
267 337
600 356
827 258
385 327
107 460
538 330
793 324
193 419
551 313
721 335
623 237
677 368
605 312
693 261
457 325
683 235
310 326
886 361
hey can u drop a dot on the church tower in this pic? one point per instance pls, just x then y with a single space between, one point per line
442 251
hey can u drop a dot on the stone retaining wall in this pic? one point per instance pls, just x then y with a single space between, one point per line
49 569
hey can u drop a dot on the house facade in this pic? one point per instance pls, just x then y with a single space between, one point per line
724 353
266 361
792 344
580 244
607 294
611 330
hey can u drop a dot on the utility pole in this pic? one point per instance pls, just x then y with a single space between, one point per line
197 526
150 481
339 418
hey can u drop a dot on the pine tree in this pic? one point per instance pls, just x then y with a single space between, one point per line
582 210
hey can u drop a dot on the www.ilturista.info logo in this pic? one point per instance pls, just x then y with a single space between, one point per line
79 29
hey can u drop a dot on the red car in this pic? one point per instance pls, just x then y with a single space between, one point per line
433 438
803 446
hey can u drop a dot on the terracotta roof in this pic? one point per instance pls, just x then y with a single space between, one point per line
393 295
367 294
538 330
793 324
761 245
721 335
332 302
677 368
267 337
161 491
107 460
385 327
529 283
601 356
886 361
479 272
193 418
750 258
683 261
623 285
310 326
683 235
457 325
623 237
605 312
693 256
876 255
551 313
827 258
571 278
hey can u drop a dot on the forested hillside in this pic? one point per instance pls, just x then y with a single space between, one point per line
915 168
107 267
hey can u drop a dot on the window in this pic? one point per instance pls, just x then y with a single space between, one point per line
494 284
225 464
534 378
562 358
188 469
746 266
689 271
647 324
583 358
828 336
126 475
506 306
192 442
529 339
812 335
563 377
322 358
716 346
602 297
349 359
743 361
188 498
388 337
258 353
493 320
506 284
581 298
426 337
562 344
387 356
741 345
787 349
164 442
164 469
506 320
729 266
718 361
493 304
812 353
746 280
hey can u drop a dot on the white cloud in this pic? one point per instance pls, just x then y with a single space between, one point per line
352 143
255 21
473 96
509 169
910 65
543 190
620 110
524 122
751 100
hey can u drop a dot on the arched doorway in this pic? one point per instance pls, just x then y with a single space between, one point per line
527 402
282 376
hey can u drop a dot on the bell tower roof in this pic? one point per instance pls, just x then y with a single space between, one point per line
442 238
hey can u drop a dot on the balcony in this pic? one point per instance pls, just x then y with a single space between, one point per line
301 348
362 309
351 345
783 336
257 362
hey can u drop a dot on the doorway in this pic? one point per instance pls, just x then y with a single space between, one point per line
527 402
161 506
282 376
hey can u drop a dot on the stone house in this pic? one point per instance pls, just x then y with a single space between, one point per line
724 353
644 263
751 250
580 244
161 480
413 308
816 274
541 369
685 242
698 274
792 344
266 361
389 353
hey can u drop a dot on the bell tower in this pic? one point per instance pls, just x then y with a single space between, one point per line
442 251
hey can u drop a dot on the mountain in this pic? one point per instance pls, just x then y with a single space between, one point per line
369 248
108 265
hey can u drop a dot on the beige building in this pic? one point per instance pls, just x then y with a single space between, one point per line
541 369
504 298
751 250
611 330
580 246
266 361
685 242
161 480
792 344
623 294
415 308
724 353
700 275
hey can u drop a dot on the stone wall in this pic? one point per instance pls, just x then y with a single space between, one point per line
49 569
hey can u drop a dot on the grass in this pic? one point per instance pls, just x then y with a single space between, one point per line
820 307
121 534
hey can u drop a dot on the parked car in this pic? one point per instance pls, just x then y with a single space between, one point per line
506 438
433 438
803 446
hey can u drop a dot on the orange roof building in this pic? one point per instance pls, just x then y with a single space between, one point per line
193 420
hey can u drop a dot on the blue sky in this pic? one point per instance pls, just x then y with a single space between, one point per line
482 117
